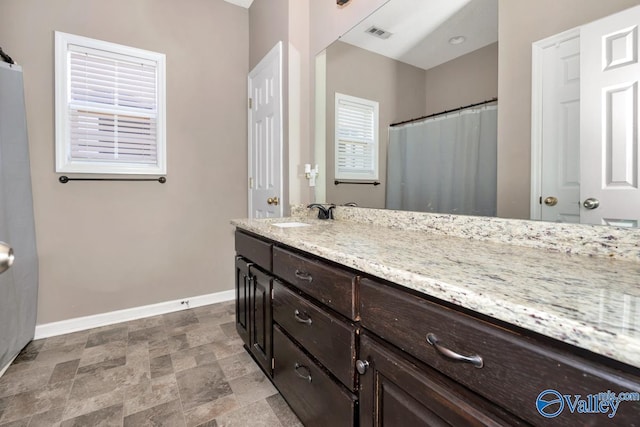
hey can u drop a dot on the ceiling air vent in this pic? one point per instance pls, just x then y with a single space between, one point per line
378 32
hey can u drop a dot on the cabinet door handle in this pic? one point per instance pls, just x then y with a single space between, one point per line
299 319
474 359
306 376
303 275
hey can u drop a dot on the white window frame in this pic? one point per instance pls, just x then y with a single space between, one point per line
370 173
64 162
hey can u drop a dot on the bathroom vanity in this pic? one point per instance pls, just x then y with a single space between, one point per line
359 323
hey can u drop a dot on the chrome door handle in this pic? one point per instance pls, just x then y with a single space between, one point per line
305 376
591 203
303 275
474 359
299 319
6 257
551 201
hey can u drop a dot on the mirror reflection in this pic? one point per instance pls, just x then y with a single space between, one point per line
415 66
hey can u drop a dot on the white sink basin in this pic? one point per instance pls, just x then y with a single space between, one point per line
290 224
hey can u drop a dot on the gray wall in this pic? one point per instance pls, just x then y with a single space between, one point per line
106 246
522 22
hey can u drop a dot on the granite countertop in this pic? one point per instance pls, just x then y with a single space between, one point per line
589 302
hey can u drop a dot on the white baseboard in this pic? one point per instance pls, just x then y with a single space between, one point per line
62 327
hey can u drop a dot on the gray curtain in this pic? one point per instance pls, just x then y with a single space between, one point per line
446 164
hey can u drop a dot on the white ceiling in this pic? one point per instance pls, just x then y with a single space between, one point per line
243 3
422 28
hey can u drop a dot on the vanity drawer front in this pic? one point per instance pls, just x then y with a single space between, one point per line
315 398
256 250
327 284
511 361
327 338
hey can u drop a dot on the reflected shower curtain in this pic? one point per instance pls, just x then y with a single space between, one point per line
446 164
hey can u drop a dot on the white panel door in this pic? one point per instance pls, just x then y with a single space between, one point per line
609 120
560 195
265 136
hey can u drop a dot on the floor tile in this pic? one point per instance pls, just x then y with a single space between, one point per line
257 414
107 417
209 411
161 366
202 384
184 368
252 387
167 414
85 405
13 383
282 410
50 418
110 335
150 393
238 365
34 402
64 371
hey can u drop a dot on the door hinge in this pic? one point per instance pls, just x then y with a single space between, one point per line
540 201
273 363
250 183
250 103
271 294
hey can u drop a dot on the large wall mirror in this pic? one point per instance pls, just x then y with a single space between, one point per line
418 58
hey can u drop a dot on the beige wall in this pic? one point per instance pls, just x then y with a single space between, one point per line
465 80
522 22
105 246
398 88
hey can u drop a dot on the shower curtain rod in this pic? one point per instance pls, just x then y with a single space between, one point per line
417 119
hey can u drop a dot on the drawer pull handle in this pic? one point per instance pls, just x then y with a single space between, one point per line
474 359
306 376
299 319
302 275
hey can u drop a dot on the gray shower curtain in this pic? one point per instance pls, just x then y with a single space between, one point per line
445 164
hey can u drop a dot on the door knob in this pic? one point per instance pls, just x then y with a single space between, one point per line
6 257
273 201
362 366
591 203
551 201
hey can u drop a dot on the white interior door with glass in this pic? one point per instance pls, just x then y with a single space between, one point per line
265 137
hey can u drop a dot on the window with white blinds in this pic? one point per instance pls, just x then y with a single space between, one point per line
110 107
356 140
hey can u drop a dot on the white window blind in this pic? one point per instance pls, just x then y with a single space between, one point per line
109 108
356 139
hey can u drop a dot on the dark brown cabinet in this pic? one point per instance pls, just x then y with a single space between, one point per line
261 318
243 306
311 324
395 391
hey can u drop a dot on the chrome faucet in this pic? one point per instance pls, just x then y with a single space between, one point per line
323 212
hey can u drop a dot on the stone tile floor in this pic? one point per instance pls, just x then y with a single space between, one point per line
186 368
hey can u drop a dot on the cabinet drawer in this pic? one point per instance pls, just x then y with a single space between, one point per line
516 368
256 250
327 284
315 398
327 338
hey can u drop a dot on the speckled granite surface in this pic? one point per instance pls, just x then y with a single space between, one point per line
591 240
589 302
